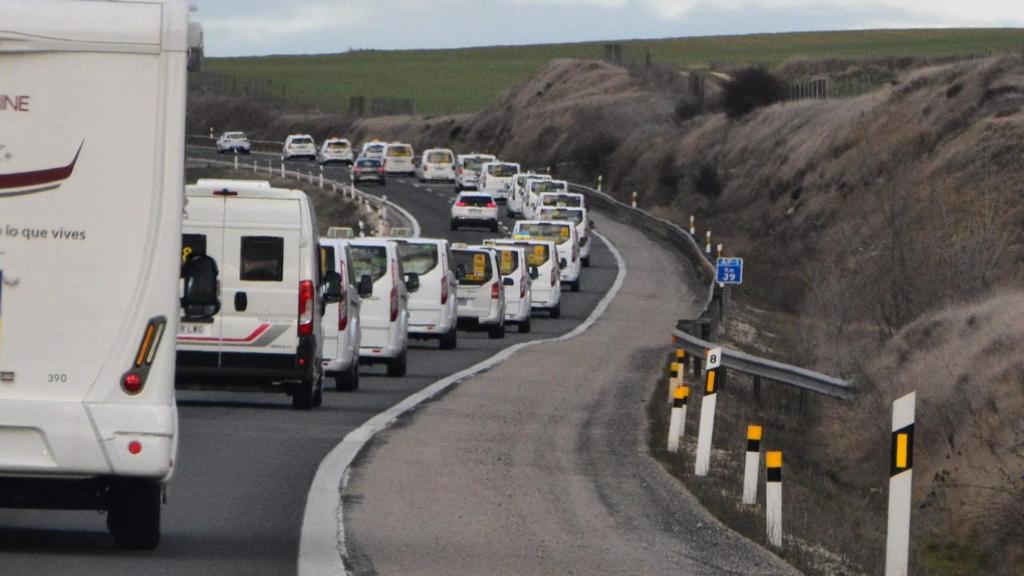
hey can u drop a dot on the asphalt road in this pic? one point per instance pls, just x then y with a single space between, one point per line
246 460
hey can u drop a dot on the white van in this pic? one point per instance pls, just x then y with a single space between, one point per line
496 178
437 164
515 277
341 318
481 296
90 260
578 215
563 234
533 191
384 315
373 149
433 312
517 192
335 150
267 332
543 268
467 170
562 200
399 159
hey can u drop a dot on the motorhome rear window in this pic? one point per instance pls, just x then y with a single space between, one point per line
474 265
502 170
262 259
370 261
418 258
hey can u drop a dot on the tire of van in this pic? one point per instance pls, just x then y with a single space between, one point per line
303 396
494 227
556 312
496 332
586 262
526 326
450 340
347 381
133 514
397 367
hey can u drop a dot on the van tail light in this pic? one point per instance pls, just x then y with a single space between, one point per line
495 291
394 303
575 252
444 289
554 276
306 308
522 288
343 314
460 170
381 170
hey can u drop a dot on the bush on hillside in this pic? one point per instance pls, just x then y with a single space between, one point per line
750 89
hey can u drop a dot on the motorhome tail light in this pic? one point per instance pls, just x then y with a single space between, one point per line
132 383
306 308
134 447
495 291
150 342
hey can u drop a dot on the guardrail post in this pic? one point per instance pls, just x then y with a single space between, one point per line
693 226
707 413
211 132
600 180
773 496
901 477
282 169
707 245
677 423
675 379
634 202
751 467
321 177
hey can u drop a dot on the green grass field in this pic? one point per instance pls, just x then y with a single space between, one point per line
466 80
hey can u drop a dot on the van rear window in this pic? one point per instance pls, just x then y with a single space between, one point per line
557 214
370 261
508 262
474 266
502 170
418 258
542 186
439 158
399 152
262 259
559 233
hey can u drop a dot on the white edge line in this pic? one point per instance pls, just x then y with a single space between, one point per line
322 549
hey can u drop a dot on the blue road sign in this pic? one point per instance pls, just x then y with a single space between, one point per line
729 270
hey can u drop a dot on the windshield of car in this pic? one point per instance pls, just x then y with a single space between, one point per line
439 158
399 152
302 140
502 170
559 233
370 260
418 258
508 262
473 266
560 214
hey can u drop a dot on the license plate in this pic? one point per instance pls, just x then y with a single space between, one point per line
192 329
475 211
462 301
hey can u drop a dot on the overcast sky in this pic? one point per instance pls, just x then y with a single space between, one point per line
251 27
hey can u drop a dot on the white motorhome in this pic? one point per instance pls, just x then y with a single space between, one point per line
341 318
89 256
267 331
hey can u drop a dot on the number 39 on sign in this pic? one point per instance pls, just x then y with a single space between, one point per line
729 271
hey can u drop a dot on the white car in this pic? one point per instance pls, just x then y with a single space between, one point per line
341 319
563 234
236 142
534 189
399 159
433 309
544 271
467 170
373 149
517 192
266 332
496 178
515 277
336 150
481 298
384 314
582 219
474 209
437 164
298 146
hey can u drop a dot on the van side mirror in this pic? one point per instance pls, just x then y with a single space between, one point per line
534 273
562 263
332 288
412 282
508 282
201 298
365 286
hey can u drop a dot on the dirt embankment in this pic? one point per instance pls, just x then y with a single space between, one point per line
882 241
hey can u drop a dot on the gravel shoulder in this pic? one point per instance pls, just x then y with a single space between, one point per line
540 465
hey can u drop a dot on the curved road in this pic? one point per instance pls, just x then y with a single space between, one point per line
247 459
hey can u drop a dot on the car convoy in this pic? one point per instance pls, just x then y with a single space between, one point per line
242 291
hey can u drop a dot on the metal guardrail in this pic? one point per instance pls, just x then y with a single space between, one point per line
676 235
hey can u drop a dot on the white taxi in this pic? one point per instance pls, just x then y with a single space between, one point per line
563 234
481 296
437 164
582 219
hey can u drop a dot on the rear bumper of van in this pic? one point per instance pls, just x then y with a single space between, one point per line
60 440
258 366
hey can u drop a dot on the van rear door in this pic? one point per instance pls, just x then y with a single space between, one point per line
260 281
203 234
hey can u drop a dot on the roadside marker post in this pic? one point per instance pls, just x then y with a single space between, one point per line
677 423
707 412
634 202
255 166
282 169
773 495
693 226
675 379
236 160
321 177
901 475
600 181
707 245
751 468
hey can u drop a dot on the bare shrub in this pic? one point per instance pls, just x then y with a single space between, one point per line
750 89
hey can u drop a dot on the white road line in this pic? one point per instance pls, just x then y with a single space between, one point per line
322 550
